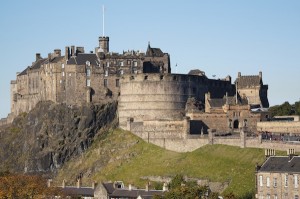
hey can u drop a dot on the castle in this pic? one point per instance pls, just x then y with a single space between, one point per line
153 103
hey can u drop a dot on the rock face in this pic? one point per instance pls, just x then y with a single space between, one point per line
51 134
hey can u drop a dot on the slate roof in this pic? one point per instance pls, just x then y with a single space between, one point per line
35 65
135 193
154 52
82 191
196 72
81 59
248 81
281 164
219 102
126 193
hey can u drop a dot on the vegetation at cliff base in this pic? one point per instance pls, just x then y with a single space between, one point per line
121 155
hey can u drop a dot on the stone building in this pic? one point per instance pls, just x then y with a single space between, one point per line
278 176
151 100
79 77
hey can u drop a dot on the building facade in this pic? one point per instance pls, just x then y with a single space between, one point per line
278 177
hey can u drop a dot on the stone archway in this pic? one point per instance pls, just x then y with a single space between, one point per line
236 124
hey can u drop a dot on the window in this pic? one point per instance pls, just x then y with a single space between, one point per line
286 178
62 65
88 72
275 196
128 62
268 181
296 182
121 63
245 123
63 74
105 83
88 82
296 197
87 63
261 181
268 196
121 72
106 73
117 83
135 63
107 64
275 182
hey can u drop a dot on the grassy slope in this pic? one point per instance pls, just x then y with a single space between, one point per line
122 156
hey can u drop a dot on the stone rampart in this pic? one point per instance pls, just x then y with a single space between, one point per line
279 126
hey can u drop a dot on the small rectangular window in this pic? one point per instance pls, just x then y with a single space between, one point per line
286 178
62 65
63 74
296 182
268 181
121 63
88 72
88 82
105 83
117 83
106 73
261 181
135 63
275 182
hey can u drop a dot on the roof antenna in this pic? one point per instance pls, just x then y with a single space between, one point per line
103 20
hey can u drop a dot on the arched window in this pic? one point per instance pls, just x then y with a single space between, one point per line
236 124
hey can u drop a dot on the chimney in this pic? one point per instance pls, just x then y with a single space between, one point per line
79 50
260 74
72 50
57 53
147 187
49 182
94 184
269 152
63 184
290 152
78 183
37 56
165 187
67 52
239 74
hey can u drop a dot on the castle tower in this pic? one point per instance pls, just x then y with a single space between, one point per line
104 44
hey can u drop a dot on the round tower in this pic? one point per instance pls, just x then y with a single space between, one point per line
104 44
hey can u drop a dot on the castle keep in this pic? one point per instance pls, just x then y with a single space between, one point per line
153 103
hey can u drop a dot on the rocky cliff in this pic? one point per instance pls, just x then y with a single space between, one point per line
51 134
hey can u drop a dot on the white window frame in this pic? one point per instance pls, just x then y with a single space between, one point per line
106 73
274 182
88 82
62 65
268 181
286 180
63 73
88 72
296 182
260 180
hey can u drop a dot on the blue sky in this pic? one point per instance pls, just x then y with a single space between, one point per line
218 37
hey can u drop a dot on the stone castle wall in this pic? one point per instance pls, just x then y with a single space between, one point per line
279 126
162 96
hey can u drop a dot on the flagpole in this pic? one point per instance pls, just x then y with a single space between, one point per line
103 20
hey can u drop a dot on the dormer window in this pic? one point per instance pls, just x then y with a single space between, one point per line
87 63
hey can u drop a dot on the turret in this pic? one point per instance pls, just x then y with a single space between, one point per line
104 44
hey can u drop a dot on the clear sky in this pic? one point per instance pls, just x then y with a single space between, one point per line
220 37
